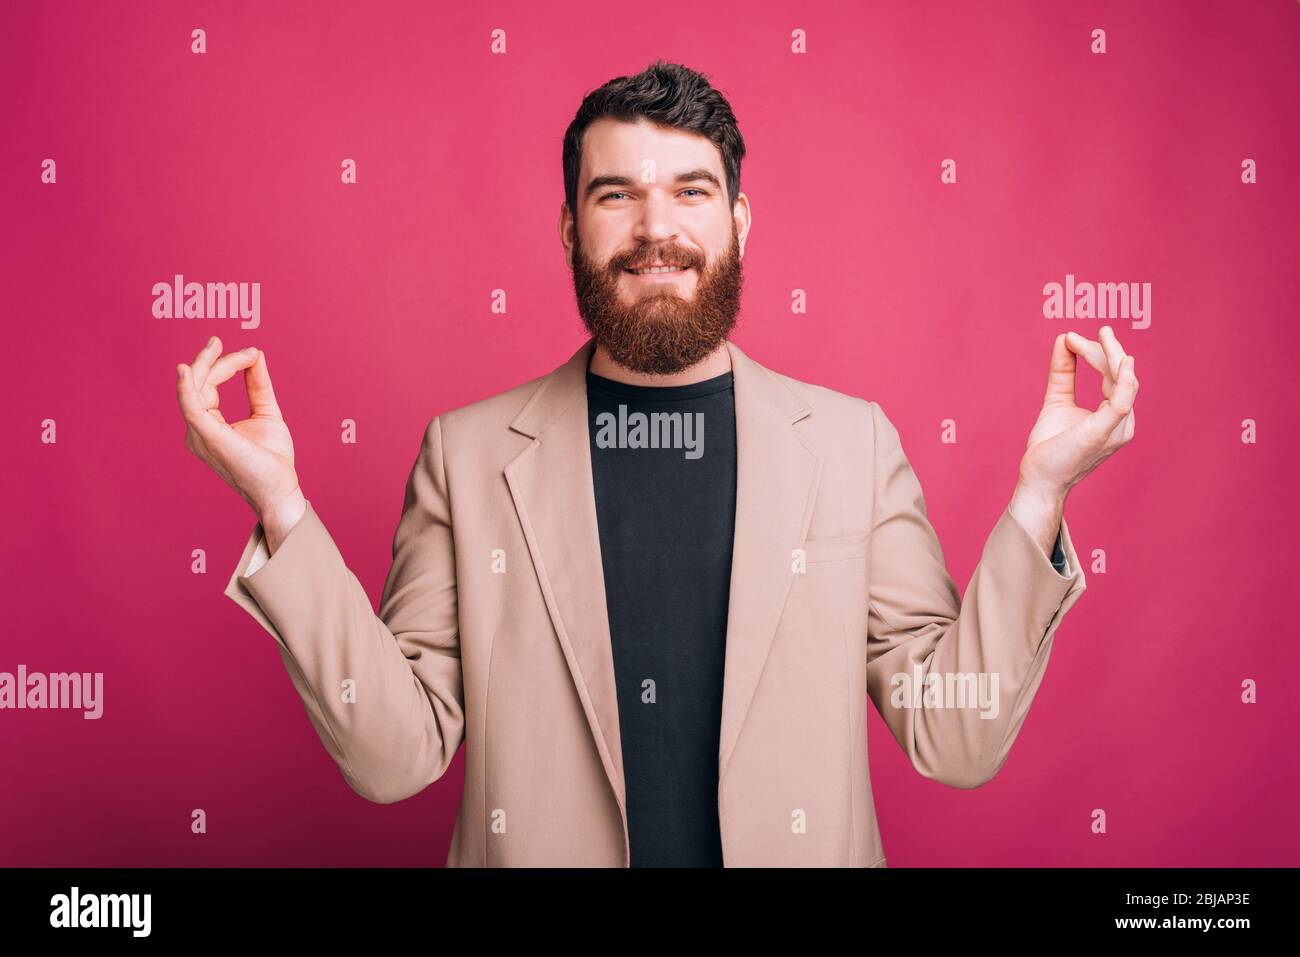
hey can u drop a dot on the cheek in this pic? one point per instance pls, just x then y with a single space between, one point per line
605 236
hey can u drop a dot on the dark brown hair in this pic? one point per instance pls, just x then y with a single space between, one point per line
665 93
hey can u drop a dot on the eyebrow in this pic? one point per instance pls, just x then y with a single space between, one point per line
690 176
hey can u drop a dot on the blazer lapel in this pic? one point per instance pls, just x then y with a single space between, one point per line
776 484
550 482
551 485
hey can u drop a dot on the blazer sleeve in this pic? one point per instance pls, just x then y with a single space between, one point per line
919 627
384 692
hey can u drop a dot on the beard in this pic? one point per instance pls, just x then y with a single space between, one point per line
660 333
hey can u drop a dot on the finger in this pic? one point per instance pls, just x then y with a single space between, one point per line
208 428
1122 432
261 397
1060 372
1129 425
1093 354
222 370
1119 435
203 361
1114 351
1114 410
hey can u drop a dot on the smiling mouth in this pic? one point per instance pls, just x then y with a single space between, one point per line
657 270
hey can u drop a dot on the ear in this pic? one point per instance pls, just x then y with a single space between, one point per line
743 215
565 229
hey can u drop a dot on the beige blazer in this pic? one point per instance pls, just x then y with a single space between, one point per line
492 631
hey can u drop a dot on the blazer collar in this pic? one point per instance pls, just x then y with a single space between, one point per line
777 475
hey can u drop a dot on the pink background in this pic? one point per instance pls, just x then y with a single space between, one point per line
375 306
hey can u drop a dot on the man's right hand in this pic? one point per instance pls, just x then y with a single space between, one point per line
254 456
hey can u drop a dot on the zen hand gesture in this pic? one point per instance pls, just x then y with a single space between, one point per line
253 456
1067 442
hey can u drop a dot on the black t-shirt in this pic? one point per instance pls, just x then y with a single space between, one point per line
664 472
666 507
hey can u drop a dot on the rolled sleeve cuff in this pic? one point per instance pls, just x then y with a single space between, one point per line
1024 569
261 575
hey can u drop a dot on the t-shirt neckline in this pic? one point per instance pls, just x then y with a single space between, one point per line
659 393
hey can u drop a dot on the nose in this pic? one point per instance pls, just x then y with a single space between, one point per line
657 223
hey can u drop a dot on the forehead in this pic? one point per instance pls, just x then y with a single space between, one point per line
612 147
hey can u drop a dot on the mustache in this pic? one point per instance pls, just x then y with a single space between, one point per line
649 256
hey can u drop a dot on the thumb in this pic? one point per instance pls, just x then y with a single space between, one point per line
261 395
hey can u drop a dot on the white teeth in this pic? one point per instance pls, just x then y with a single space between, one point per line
657 269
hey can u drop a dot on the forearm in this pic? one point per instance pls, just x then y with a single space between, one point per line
384 691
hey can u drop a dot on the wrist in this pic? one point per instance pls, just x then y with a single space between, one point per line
1039 510
1039 495
279 517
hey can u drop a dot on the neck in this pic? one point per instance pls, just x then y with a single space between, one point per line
714 364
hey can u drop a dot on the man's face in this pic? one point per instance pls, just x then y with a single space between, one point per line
657 322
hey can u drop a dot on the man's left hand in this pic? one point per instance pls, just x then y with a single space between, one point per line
1067 442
